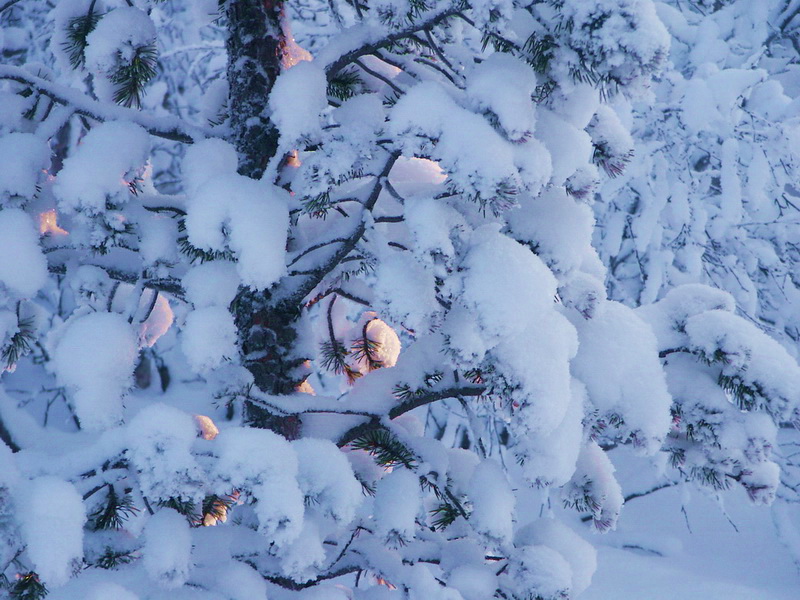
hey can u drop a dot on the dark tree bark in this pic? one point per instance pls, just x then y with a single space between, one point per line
267 333
255 42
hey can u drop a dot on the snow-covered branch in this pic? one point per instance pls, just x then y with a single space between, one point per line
170 128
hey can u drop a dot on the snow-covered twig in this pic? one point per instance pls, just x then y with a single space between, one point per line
170 128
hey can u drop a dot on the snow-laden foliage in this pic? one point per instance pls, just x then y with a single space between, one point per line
332 322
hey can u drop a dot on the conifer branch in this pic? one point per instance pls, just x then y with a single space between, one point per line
169 128
371 47
8 4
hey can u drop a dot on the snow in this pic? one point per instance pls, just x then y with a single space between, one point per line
51 518
105 590
326 479
505 301
540 570
205 160
241 582
492 502
618 362
100 167
213 283
557 226
580 554
265 465
95 357
487 88
396 504
167 548
256 218
24 157
27 273
160 439
412 303
297 98
750 355
209 338
113 43
473 582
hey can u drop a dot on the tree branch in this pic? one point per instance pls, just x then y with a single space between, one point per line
169 128
8 4
375 422
370 47
315 277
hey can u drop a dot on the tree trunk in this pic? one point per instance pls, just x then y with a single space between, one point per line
255 42
266 333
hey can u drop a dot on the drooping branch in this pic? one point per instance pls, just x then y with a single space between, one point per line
314 278
376 43
421 400
8 4
170 128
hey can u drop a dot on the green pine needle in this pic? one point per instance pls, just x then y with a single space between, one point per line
113 514
28 587
130 79
386 449
20 344
78 29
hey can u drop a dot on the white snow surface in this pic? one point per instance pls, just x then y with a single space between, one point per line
95 357
51 519
25 271
100 167
256 218
24 156
167 548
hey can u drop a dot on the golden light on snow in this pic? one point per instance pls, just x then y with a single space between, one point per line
208 430
293 53
48 224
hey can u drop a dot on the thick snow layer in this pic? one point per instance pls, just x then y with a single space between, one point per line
618 362
475 156
23 156
248 217
241 581
580 554
95 357
397 501
160 439
106 590
167 548
473 582
492 502
208 338
505 301
405 291
99 168
487 87
668 316
557 226
114 42
541 396
213 283
326 479
207 159
24 271
749 354
51 516
540 571
550 458
297 99
265 465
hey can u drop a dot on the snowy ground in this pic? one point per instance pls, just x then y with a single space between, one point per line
712 561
